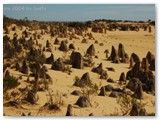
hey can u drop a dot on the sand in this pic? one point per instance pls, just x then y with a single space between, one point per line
138 42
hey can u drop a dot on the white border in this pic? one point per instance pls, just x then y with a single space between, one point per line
157 2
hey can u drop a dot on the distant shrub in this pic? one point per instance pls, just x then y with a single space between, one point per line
37 58
89 92
54 102
10 82
126 103
40 59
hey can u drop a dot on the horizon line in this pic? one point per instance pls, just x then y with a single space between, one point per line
116 20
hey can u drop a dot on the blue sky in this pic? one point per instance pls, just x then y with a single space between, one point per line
80 12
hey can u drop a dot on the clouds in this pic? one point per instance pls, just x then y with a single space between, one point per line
84 12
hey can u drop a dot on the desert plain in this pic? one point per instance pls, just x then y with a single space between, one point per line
60 85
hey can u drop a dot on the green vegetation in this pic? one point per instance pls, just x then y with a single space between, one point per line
10 82
126 103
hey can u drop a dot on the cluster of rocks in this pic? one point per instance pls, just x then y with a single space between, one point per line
32 62
114 57
58 65
129 27
141 78
99 69
114 92
14 47
78 61
136 112
140 75
118 56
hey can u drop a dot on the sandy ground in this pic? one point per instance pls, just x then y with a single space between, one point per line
139 42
